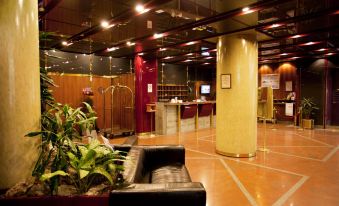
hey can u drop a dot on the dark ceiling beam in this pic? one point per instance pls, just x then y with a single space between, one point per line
318 56
120 18
283 46
49 7
258 26
205 21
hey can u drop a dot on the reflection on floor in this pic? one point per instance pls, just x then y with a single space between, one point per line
301 168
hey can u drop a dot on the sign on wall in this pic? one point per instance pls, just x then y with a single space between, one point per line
270 80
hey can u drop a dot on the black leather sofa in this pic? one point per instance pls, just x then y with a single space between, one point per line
158 177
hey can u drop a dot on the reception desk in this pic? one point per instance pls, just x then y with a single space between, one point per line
171 118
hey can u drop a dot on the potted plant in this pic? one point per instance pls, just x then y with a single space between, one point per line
66 168
307 110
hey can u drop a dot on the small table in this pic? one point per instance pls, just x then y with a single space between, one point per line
151 108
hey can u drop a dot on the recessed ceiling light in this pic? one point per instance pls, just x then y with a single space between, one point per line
206 63
163 64
188 60
274 26
65 43
156 36
322 49
112 49
104 24
297 36
130 43
141 9
189 54
140 54
168 57
159 11
245 9
191 43
284 54
309 43
329 54
162 49
208 57
205 53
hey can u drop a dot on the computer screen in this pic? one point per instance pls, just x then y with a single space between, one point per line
205 89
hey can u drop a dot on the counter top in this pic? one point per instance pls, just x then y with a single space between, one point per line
188 103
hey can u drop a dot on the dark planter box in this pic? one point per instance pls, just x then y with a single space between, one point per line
80 200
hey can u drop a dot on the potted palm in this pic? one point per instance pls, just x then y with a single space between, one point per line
307 110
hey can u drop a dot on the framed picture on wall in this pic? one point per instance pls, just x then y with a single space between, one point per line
225 81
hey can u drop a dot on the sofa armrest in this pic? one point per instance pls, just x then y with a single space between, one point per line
168 194
160 155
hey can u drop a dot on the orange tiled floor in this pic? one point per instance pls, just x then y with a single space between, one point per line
301 168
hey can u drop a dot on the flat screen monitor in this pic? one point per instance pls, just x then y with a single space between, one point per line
205 89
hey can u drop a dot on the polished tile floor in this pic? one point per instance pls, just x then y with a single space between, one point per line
301 167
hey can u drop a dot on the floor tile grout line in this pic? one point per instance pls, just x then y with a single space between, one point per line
308 138
292 155
239 184
330 154
290 192
298 146
253 164
206 140
198 158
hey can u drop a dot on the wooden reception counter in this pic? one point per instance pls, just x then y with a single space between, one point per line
171 118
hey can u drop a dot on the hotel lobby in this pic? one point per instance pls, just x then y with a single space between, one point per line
169 102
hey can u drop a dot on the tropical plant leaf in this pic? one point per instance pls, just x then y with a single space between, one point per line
86 162
33 134
103 172
83 173
50 175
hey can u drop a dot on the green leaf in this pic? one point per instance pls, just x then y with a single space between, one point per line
50 175
32 134
93 144
88 161
83 150
74 161
83 173
103 172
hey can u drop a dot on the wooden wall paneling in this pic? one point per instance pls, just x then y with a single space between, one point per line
70 92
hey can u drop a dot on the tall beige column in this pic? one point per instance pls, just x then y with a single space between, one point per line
19 89
236 129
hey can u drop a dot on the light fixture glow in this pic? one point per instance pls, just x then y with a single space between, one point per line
245 9
205 53
65 43
322 49
188 60
104 24
284 54
162 49
159 11
189 54
329 54
156 36
168 57
309 43
274 26
130 43
141 9
191 43
112 49
140 54
208 58
206 63
297 36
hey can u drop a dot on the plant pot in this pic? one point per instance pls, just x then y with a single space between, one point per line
79 200
308 123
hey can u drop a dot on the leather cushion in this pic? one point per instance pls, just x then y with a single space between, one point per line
170 173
